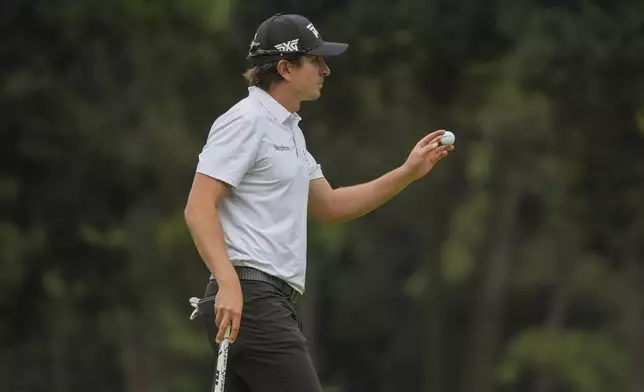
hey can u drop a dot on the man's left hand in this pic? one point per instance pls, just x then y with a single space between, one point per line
425 155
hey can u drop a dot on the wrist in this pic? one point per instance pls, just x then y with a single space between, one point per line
405 174
227 276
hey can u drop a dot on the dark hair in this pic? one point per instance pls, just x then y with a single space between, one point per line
264 75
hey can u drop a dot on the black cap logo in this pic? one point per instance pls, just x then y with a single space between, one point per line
313 30
289 46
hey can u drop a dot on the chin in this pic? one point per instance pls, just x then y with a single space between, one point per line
313 96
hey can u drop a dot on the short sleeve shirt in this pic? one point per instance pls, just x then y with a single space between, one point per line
258 148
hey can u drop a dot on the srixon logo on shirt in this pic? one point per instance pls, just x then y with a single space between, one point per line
281 148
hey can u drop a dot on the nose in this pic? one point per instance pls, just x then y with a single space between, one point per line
324 69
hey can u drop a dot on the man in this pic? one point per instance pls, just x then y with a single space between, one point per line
247 209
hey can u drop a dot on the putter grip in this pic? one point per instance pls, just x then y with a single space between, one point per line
222 360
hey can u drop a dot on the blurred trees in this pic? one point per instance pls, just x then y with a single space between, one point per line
517 264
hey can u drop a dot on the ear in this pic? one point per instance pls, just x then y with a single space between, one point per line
284 69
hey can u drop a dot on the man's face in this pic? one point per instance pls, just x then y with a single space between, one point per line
307 79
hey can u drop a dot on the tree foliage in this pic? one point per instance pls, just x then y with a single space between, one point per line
515 265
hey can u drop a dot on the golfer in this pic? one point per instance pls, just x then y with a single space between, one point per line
255 185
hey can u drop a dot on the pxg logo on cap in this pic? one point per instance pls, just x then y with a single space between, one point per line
286 36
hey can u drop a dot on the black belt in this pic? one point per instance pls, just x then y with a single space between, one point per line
248 273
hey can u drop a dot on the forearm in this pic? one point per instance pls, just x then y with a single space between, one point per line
352 202
208 235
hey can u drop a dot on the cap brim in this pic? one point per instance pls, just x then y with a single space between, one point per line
329 49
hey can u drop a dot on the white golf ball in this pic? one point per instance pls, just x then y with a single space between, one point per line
447 139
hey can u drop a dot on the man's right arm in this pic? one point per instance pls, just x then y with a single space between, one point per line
205 227
229 152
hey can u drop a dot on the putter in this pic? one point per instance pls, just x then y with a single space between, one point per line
222 361
204 308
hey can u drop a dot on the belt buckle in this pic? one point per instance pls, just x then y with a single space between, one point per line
295 295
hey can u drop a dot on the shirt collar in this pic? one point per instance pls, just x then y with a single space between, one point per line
274 108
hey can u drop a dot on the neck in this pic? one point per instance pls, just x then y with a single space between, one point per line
285 97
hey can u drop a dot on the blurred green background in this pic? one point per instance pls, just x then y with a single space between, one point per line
516 265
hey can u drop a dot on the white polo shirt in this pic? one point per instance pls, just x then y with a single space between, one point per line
258 148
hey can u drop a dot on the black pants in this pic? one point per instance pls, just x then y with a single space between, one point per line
270 353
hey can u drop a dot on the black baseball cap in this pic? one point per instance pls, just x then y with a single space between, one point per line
287 36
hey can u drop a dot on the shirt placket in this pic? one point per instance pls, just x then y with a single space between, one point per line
290 124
